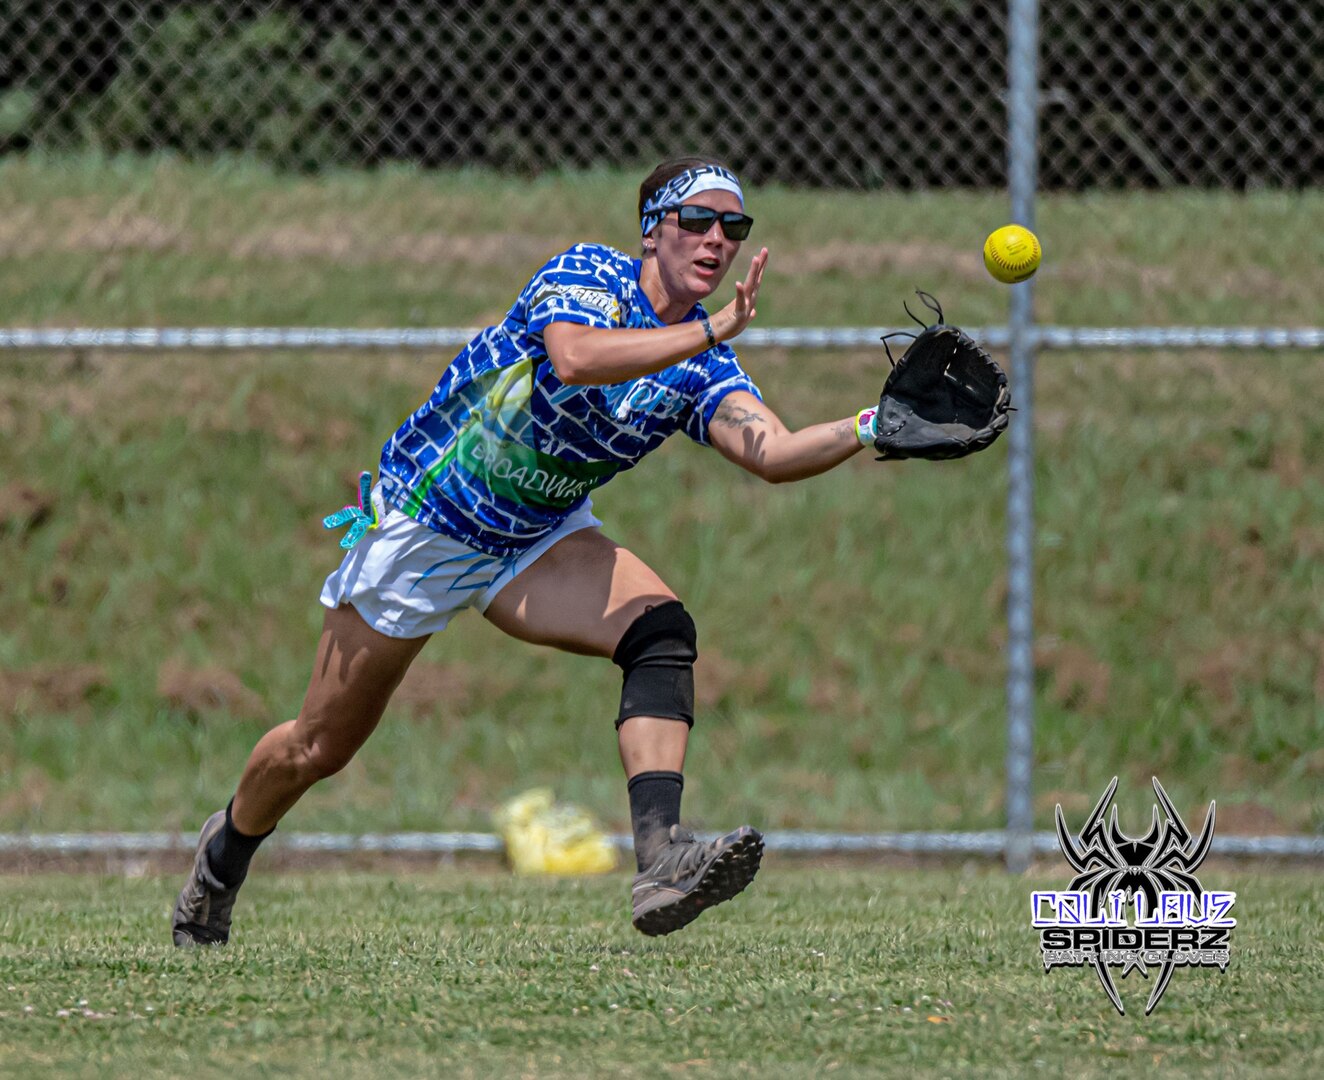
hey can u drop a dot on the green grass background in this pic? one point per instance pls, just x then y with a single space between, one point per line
163 553
921 972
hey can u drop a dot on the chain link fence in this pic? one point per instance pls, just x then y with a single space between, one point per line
1198 97
892 94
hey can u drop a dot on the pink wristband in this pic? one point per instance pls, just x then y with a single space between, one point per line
866 425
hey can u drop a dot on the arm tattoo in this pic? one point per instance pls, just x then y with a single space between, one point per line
737 416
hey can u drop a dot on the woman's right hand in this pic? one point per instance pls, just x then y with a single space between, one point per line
738 314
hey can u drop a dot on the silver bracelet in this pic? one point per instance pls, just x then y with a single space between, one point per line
708 329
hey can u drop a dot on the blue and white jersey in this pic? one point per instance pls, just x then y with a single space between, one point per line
503 450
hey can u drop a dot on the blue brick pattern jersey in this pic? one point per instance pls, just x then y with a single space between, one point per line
503 450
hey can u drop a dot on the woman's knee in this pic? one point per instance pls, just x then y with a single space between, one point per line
656 656
318 755
356 672
324 741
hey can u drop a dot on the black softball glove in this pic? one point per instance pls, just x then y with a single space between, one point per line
945 398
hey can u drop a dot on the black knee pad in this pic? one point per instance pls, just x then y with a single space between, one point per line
657 654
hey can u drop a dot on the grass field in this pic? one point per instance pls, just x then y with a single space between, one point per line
121 242
159 514
813 972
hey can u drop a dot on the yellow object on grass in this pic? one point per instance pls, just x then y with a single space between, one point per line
546 837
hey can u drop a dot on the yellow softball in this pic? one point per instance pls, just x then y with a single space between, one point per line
1012 254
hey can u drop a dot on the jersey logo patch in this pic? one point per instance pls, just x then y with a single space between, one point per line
600 299
647 399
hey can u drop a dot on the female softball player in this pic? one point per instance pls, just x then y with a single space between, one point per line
483 501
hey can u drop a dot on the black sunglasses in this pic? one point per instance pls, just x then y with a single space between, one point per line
699 219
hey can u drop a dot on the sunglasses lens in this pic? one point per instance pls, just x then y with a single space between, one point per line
736 226
696 219
699 219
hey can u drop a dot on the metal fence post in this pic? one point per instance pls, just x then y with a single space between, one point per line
1022 144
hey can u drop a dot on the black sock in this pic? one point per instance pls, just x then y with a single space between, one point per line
230 851
654 808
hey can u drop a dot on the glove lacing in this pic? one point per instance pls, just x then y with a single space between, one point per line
930 302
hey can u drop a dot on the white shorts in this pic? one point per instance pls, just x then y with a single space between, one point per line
407 580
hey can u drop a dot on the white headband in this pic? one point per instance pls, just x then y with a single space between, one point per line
689 183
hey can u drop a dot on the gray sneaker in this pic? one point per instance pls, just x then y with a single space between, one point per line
202 912
689 877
